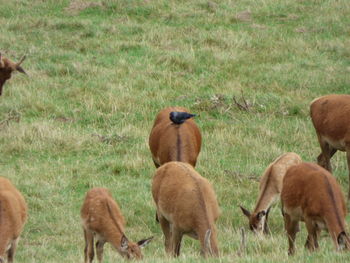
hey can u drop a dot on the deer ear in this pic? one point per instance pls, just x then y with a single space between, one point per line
20 69
260 214
124 243
245 211
18 65
144 242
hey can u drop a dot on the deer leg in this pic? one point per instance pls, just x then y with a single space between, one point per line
165 225
292 227
176 238
327 152
348 160
266 226
99 250
89 246
11 252
311 241
155 163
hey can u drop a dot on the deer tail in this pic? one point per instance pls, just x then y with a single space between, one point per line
207 242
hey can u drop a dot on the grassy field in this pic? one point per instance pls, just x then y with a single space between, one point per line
99 71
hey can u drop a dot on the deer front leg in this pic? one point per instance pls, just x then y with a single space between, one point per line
99 250
327 152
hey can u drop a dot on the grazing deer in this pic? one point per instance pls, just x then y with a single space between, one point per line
311 194
13 215
331 118
103 220
186 204
6 69
269 191
175 137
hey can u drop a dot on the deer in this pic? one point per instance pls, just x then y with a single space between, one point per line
175 137
330 116
7 67
311 194
270 188
186 204
102 220
13 216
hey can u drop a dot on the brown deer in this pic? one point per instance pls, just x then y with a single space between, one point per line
175 137
269 191
13 215
331 118
186 204
311 194
7 67
103 220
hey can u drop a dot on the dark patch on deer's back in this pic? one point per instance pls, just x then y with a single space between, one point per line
178 146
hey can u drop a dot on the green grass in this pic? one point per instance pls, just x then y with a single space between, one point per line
97 77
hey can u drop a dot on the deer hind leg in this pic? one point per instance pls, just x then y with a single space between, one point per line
313 232
89 246
292 227
11 252
327 151
99 250
165 225
176 237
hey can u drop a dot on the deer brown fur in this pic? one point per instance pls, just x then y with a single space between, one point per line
7 67
174 142
269 191
331 118
13 215
311 194
186 204
103 220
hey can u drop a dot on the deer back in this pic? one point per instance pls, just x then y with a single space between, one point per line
183 196
170 142
331 117
101 214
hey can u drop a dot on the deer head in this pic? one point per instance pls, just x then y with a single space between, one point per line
7 67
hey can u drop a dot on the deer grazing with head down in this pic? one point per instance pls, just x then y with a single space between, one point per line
311 194
175 137
7 67
331 118
186 204
103 220
269 191
13 215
